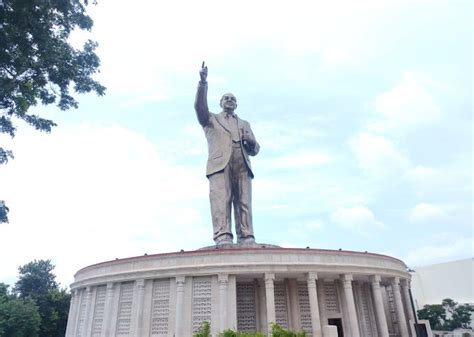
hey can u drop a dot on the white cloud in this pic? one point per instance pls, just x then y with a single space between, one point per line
300 160
449 178
285 134
426 213
313 225
85 194
408 104
423 176
141 45
360 219
439 248
378 156
305 230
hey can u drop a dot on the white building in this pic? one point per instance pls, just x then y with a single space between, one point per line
323 292
431 284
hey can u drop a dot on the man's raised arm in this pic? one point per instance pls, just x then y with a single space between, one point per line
200 105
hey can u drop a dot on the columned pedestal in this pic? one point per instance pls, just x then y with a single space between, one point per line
240 288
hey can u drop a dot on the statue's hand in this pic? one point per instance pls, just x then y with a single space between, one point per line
247 138
203 73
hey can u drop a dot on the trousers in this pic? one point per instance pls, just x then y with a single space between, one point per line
232 186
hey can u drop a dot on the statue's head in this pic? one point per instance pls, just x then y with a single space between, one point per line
228 102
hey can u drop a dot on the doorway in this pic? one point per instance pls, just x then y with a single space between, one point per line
338 323
422 330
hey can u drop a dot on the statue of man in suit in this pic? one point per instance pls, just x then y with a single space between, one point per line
230 142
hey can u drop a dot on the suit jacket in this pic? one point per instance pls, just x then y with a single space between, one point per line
219 137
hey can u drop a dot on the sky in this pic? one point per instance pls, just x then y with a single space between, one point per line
362 109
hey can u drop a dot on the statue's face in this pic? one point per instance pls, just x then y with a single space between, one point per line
228 102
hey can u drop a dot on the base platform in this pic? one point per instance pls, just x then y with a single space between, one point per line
243 288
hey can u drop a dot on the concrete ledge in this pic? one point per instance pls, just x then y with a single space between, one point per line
240 260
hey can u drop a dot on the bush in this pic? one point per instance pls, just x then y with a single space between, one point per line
232 333
204 330
277 331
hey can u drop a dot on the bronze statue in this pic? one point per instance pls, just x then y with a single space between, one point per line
230 142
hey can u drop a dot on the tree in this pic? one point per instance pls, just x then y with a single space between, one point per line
435 313
462 316
36 279
3 212
448 315
18 317
3 290
55 313
38 283
449 305
38 65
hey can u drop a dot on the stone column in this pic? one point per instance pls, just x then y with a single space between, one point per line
80 298
351 309
379 309
405 284
270 300
147 309
293 305
115 308
322 303
232 302
402 322
223 280
140 284
260 305
172 307
109 298
89 313
72 314
179 327
314 305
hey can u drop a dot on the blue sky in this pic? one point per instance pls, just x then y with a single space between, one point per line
363 111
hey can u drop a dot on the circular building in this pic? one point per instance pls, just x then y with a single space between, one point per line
244 288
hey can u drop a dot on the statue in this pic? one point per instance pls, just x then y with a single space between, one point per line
230 143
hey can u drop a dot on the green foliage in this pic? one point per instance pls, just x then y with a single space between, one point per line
3 211
204 330
448 315
53 308
461 317
18 317
229 333
3 290
278 331
435 313
38 65
59 302
35 279
232 333
38 283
